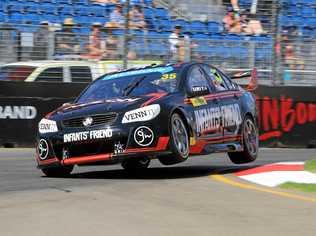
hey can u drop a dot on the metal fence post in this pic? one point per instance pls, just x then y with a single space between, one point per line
51 45
126 35
276 56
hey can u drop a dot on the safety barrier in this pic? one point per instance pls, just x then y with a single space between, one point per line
287 115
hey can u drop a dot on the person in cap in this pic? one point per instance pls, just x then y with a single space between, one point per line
177 42
41 38
67 42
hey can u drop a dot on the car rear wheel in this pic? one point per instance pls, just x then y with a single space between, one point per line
136 164
61 171
250 137
179 142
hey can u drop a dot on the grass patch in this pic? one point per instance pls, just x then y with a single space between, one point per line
310 165
309 188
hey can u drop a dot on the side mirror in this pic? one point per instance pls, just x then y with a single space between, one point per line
197 91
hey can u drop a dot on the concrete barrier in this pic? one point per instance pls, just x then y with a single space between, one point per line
287 115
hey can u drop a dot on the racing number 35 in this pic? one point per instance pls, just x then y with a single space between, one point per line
169 76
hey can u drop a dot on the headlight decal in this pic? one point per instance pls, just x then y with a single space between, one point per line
47 126
141 114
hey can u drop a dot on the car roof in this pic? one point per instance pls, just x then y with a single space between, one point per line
45 63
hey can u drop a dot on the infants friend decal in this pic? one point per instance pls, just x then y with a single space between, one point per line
88 135
216 117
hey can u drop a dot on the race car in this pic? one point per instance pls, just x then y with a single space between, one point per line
169 112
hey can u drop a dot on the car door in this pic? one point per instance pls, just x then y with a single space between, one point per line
228 97
206 110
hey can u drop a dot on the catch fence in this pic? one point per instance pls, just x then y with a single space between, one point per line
223 33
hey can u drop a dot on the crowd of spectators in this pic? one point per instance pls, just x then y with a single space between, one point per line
102 44
242 22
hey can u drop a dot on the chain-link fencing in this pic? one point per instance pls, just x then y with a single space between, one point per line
276 37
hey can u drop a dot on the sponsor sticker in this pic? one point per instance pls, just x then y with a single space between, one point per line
18 112
47 126
199 88
42 149
199 101
192 141
143 136
141 114
210 118
88 135
118 148
87 121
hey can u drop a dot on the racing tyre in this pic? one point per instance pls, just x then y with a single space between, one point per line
179 142
61 171
133 165
250 141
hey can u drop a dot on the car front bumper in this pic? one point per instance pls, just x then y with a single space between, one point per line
110 144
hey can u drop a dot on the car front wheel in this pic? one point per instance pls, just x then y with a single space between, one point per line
61 171
179 142
136 164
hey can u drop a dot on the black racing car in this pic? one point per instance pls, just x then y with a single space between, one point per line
167 112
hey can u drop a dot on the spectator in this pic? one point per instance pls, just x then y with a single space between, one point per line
286 51
244 20
41 38
228 19
178 44
291 60
253 27
116 17
137 19
111 43
67 42
96 47
232 22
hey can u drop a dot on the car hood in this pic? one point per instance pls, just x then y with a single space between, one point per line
104 106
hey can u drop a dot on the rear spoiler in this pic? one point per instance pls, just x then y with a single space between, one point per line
252 74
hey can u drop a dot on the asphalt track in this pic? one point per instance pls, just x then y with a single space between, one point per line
198 197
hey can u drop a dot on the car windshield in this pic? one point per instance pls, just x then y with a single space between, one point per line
15 73
132 83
